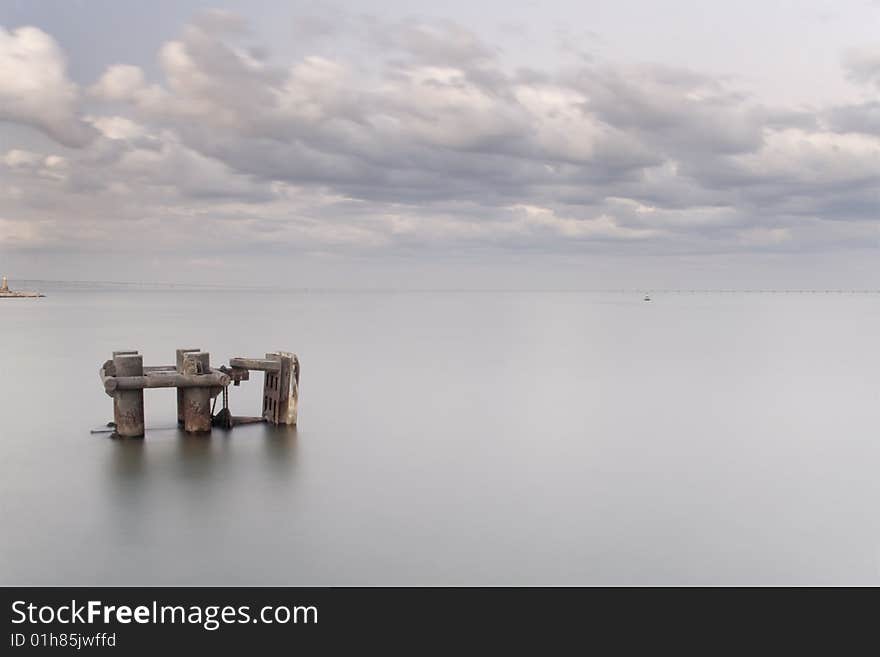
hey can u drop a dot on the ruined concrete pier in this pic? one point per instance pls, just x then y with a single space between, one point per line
125 377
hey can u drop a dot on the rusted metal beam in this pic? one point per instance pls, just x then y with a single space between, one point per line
216 379
246 419
259 364
237 374
105 376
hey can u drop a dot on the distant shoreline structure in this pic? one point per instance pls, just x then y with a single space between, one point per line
6 293
60 285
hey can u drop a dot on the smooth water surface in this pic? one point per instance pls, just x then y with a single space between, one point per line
452 438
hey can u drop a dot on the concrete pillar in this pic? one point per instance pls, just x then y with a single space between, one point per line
179 363
128 405
196 401
113 360
270 391
280 390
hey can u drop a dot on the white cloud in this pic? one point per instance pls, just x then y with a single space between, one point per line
532 218
34 88
863 65
120 82
765 236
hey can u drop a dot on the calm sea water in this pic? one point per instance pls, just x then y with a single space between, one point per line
452 438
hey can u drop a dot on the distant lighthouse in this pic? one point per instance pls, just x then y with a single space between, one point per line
6 293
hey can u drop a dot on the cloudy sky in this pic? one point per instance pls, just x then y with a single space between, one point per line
497 143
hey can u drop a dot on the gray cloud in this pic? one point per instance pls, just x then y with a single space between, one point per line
432 144
863 65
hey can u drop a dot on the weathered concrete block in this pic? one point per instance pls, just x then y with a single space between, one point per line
128 405
281 389
196 401
179 364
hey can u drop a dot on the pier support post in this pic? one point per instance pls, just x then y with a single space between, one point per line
280 390
196 401
128 405
179 364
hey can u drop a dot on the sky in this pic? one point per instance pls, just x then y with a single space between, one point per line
588 144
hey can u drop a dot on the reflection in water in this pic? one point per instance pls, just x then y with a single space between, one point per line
195 460
173 491
199 456
279 448
128 459
128 477
473 438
